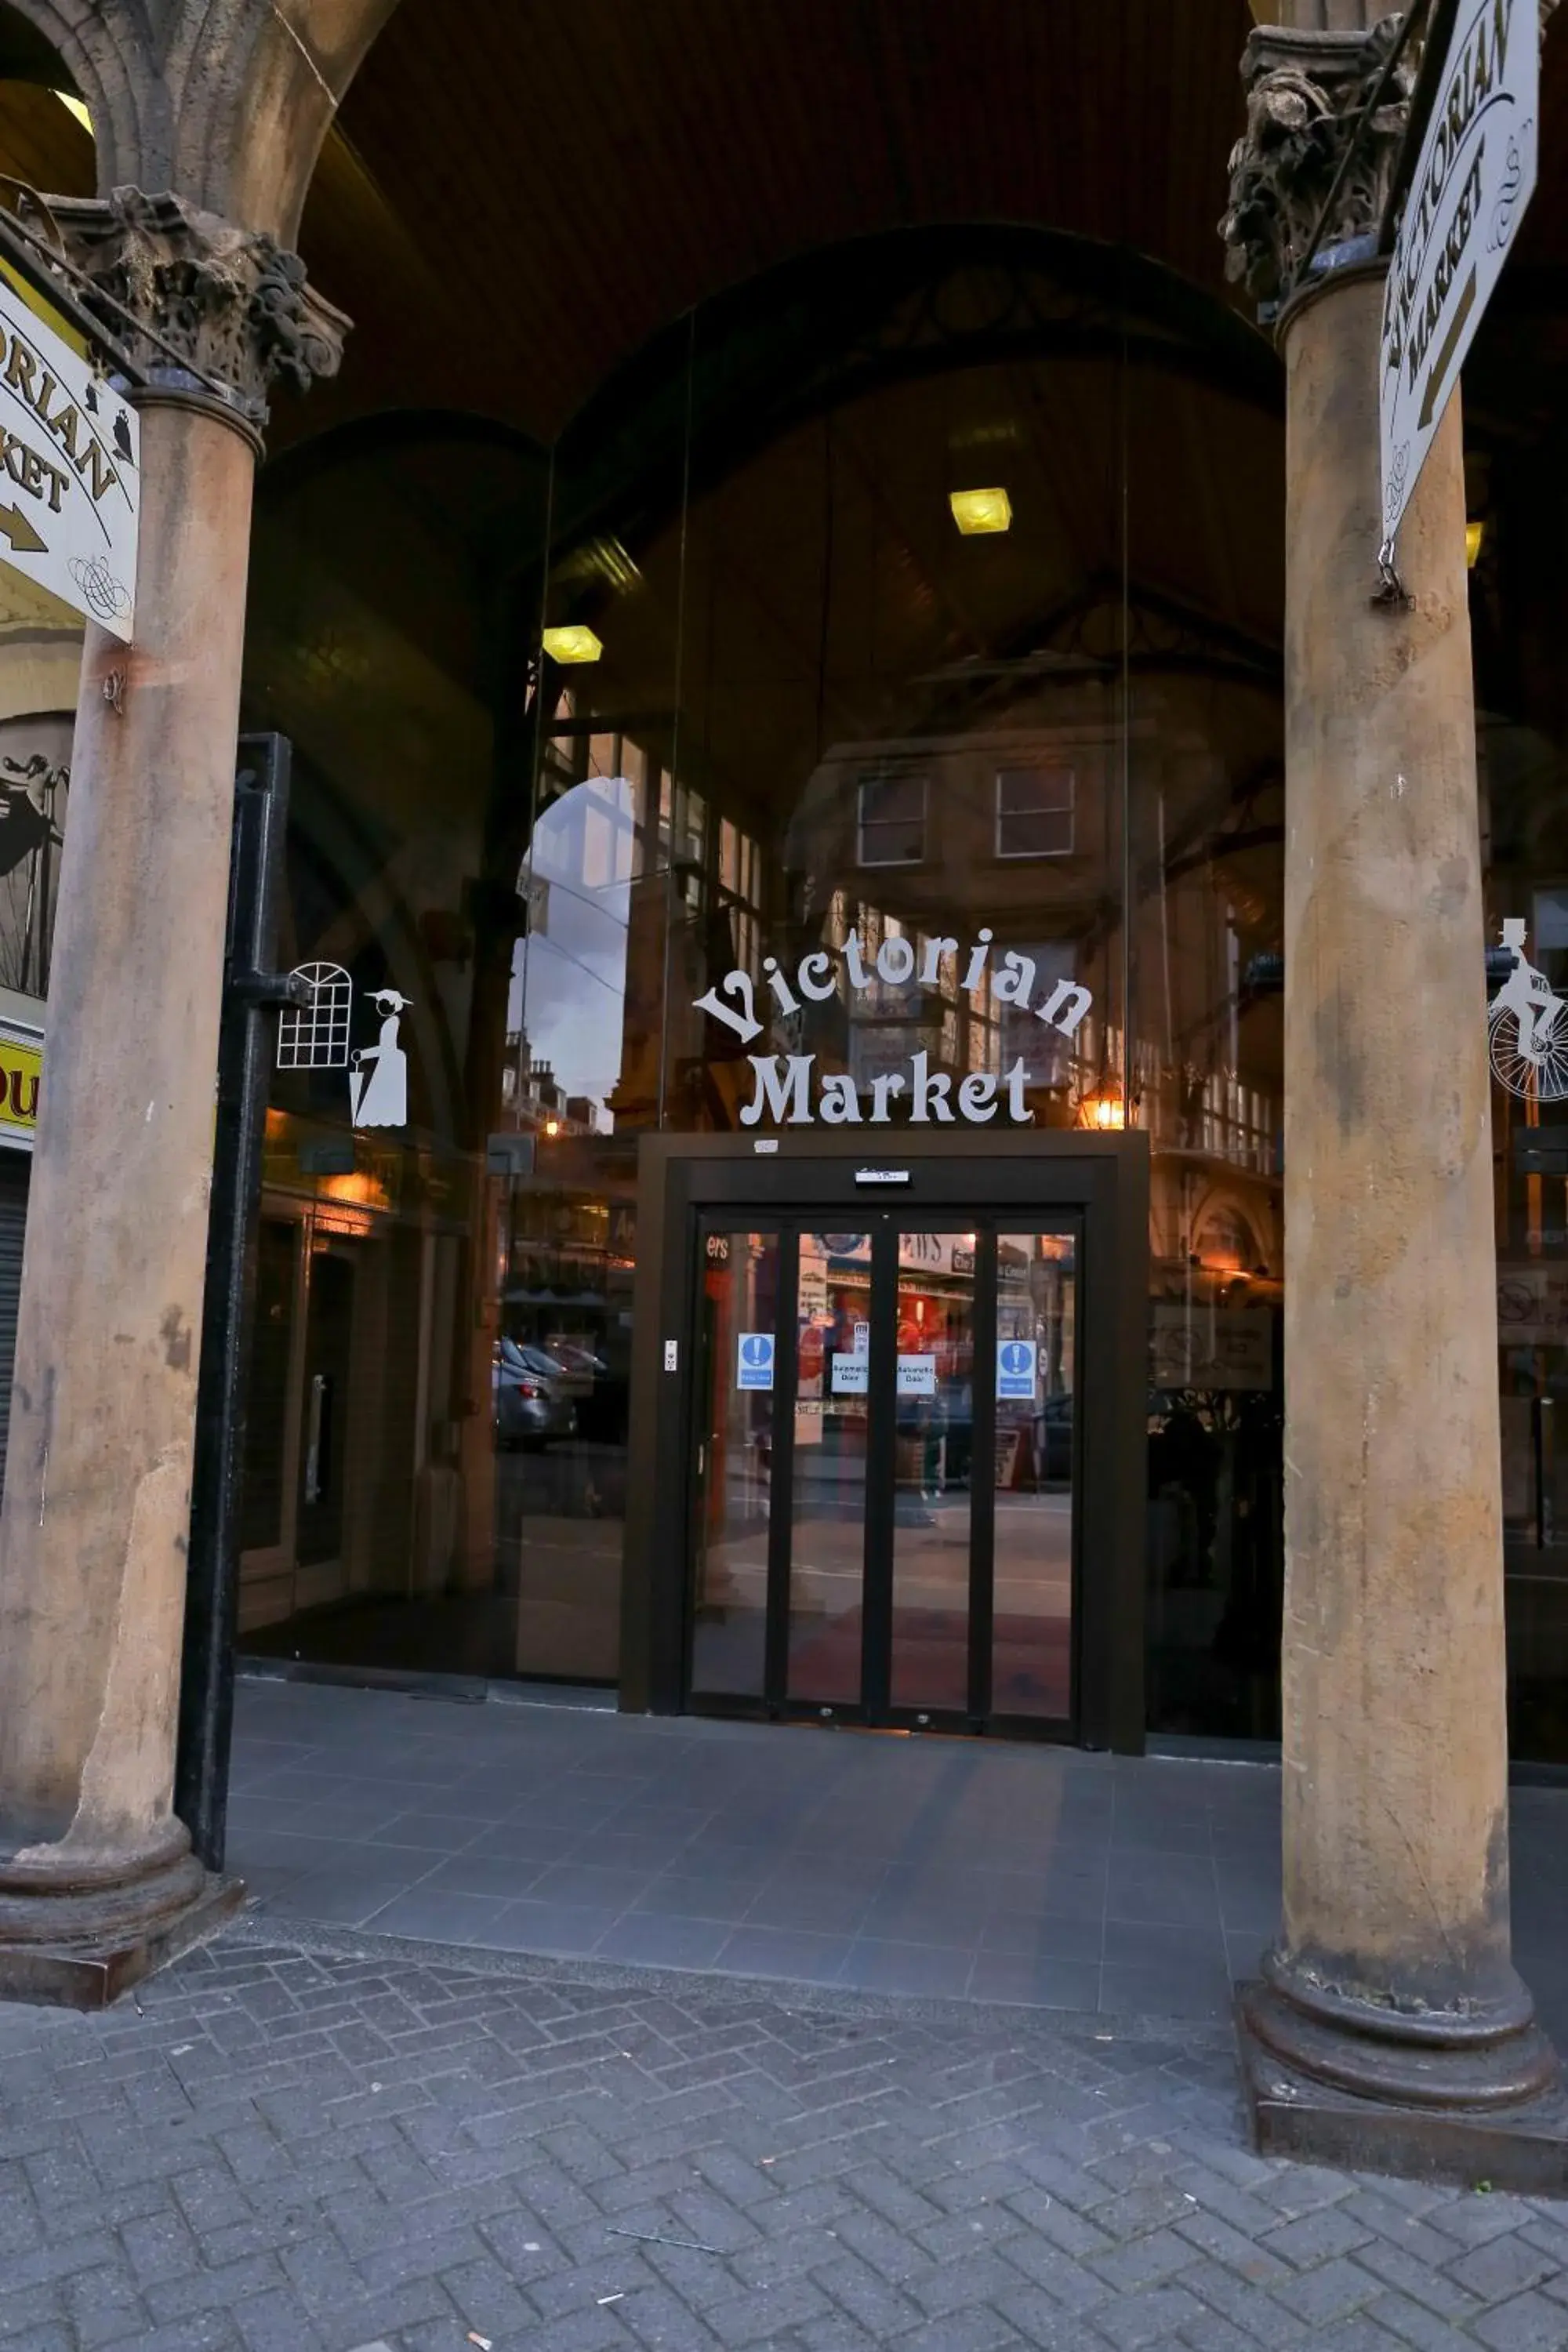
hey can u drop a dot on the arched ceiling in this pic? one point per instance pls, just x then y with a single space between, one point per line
541 189
517 196
545 188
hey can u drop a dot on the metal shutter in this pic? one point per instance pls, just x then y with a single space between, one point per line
14 1168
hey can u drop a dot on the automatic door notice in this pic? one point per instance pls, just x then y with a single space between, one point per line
917 1376
754 1360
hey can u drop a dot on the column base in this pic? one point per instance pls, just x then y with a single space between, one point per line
77 1977
1461 2102
77 1931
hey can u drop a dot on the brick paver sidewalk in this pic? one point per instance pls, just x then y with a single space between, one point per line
310 2149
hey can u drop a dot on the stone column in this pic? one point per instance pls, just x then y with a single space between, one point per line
97 1879
1390 2029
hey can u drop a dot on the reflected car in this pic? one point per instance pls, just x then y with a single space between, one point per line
1053 1440
579 1363
532 1405
600 1392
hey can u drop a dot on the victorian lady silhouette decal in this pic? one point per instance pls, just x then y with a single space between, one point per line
378 1075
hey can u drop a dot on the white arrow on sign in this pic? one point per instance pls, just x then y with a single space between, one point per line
71 452
1472 180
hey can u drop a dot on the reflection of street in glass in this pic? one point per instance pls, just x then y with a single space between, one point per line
560 1528
931 1624
940 1401
936 1568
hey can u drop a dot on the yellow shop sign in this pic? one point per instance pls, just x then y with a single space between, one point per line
21 1067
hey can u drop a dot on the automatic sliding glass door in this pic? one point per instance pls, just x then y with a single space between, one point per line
935 1522
883 1472
1032 1638
734 1376
828 1508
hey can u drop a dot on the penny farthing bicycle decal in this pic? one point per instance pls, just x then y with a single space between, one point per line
1528 1027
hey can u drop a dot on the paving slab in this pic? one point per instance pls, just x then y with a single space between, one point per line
325 2139
544 1821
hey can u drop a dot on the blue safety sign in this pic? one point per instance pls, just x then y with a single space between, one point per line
754 1360
1015 1368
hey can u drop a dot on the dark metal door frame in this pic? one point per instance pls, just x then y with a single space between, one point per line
252 993
983 1485
1103 1180
782 1482
882 1473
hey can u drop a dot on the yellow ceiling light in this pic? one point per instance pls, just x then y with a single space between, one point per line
1474 534
575 642
977 511
74 106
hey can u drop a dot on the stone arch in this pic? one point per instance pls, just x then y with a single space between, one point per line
1243 1216
109 55
223 102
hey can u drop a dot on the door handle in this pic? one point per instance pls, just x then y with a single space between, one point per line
313 1480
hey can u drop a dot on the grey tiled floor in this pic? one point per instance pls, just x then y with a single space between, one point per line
932 1867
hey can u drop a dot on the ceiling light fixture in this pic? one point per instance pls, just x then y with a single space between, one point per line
575 642
600 558
978 511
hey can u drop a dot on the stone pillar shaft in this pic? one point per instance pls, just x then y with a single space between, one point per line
1395 1805
97 1879
97 1505
1390 2029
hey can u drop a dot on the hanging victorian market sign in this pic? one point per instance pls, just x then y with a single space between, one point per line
791 1091
1472 180
68 453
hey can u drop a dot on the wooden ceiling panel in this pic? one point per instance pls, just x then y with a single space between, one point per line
41 142
577 177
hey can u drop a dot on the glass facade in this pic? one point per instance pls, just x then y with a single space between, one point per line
833 1293
869 711
886 656
1517 485
1037 1294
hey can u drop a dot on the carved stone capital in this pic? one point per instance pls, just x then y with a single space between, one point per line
182 290
1305 94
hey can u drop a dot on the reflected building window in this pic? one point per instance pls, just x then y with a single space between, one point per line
892 819
1035 812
